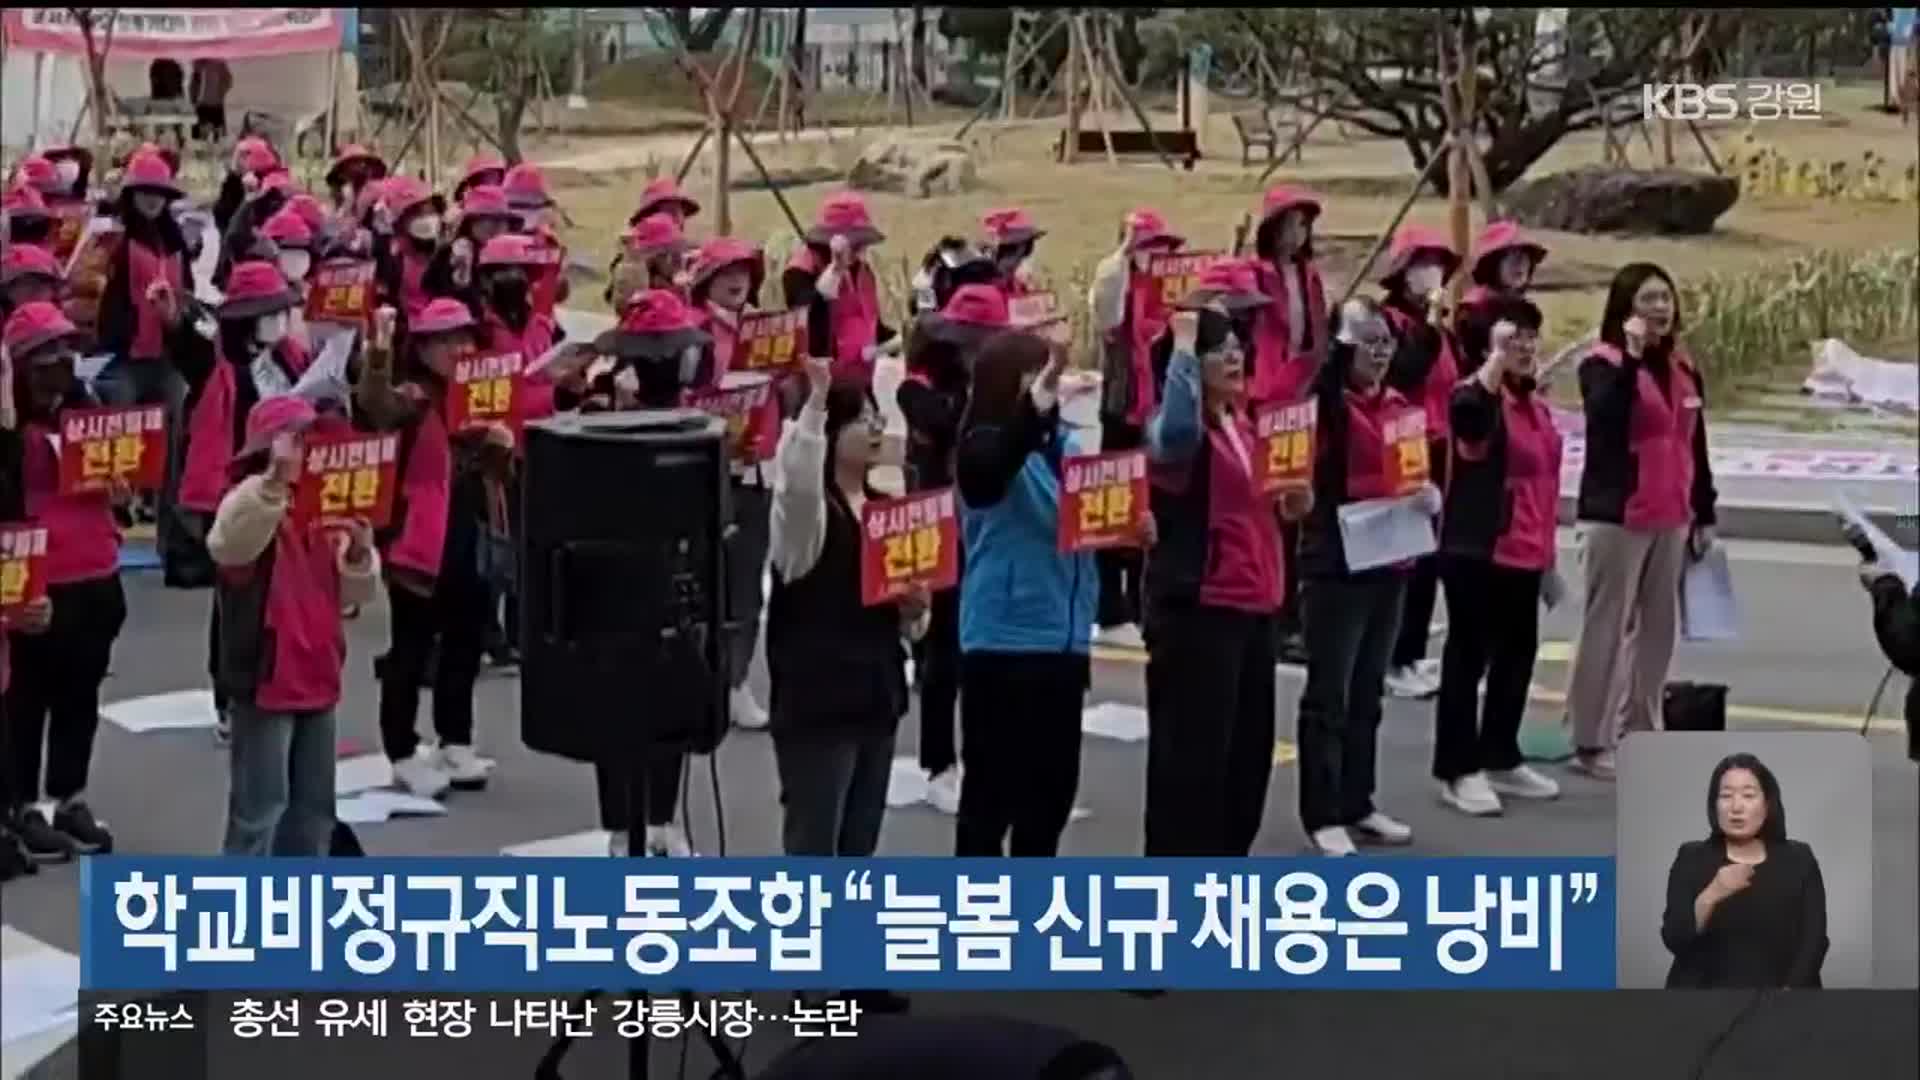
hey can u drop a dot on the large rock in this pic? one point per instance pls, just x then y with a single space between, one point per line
917 167
1612 200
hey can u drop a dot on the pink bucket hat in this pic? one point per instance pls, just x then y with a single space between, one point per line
34 326
655 324
444 315
1413 241
723 251
271 418
526 187
255 288
288 231
971 315
656 233
29 261
844 214
659 192
150 172
1146 228
1232 283
1010 226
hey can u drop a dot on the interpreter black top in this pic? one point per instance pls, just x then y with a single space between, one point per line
1773 933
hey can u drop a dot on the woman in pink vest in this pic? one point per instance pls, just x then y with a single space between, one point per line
650 257
1424 370
1497 553
252 157
33 618
435 553
1011 236
353 168
1130 315
1646 506
724 283
831 278
662 195
1504 261
54 695
416 213
538 215
483 216
283 583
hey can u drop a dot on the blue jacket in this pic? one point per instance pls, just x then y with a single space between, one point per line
1020 593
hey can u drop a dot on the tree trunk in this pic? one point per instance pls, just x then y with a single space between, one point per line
512 111
1515 151
920 48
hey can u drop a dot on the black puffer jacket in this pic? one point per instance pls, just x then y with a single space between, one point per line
1896 623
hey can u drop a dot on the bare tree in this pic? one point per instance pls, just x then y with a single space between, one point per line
701 34
96 36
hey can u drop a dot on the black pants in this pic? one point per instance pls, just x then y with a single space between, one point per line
1120 568
1410 646
833 790
213 656
455 617
212 122
746 576
1350 626
1020 742
55 694
1493 631
658 779
1289 620
936 659
1210 730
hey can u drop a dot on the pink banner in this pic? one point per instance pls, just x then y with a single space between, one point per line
179 33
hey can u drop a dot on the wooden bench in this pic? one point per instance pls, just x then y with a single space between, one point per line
1259 131
1181 146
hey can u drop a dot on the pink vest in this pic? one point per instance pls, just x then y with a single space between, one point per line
203 479
426 486
83 544
1533 484
1280 375
536 395
304 647
1245 574
144 267
1436 394
1660 433
854 315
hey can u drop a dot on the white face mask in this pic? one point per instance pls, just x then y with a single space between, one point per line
68 170
424 227
271 328
1423 279
295 264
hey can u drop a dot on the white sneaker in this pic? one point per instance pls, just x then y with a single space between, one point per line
1333 840
1408 682
1428 668
223 727
1470 795
617 845
1378 828
668 840
1523 782
420 774
943 791
745 711
1124 636
466 770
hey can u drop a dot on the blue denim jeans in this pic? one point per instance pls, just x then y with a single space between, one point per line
280 783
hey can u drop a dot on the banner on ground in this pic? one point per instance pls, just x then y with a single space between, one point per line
176 33
347 477
101 447
745 924
909 543
1104 500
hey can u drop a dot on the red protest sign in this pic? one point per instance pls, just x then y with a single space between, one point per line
771 339
1287 435
486 390
1405 436
744 399
23 565
349 476
907 543
69 225
1103 500
1174 276
101 446
341 291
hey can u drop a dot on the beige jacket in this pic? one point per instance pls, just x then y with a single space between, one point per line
245 525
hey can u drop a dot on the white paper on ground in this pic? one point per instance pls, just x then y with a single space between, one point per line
1381 532
376 806
580 845
362 772
1901 561
1840 374
39 988
1112 720
906 784
1708 609
182 710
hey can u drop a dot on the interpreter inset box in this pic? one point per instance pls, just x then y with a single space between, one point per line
1745 860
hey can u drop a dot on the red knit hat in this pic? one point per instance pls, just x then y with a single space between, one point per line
654 324
271 418
1010 226
484 201
655 233
1146 228
845 214
526 188
34 326
1413 241
288 230
659 192
511 249
27 261
350 156
1233 283
444 315
149 172
723 251
255 288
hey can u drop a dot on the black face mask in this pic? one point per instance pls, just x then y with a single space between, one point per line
1522 385
507 293
424 247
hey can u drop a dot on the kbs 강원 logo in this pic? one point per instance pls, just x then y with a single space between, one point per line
1730 101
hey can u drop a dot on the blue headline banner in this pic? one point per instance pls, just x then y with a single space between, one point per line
502 924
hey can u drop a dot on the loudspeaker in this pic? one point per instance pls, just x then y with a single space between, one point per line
622 597
1687 706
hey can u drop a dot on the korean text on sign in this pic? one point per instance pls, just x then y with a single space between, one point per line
101 447
486 390
23 565
1177 275
771 340
1405 436
341 291
907 543
743 925
1286 436
751 413
1105 500
349 477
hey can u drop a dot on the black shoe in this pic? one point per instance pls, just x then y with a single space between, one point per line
879 1002
503 656
15 861
89 836
44 843
1293 649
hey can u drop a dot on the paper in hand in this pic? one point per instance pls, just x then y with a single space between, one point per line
1708 609
325 379
563 360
